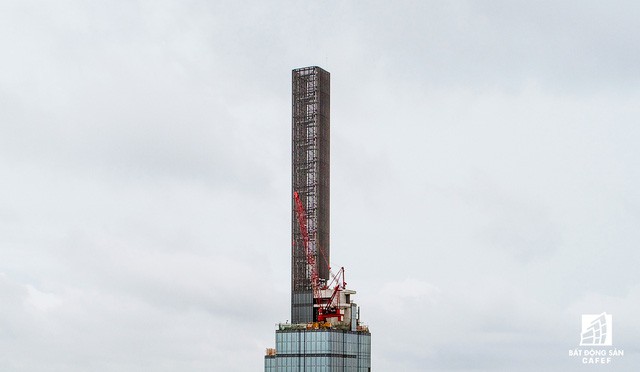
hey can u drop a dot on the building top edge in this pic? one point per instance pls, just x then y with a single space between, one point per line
308 68
314 327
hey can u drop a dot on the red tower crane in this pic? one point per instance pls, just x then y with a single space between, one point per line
328 305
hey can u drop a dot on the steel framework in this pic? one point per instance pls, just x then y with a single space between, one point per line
310 179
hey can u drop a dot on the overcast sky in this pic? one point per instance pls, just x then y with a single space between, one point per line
485 179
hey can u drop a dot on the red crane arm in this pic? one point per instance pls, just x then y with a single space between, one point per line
327 309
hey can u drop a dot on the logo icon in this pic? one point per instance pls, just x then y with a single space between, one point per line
597 330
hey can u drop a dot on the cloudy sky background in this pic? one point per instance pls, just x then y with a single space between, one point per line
485 179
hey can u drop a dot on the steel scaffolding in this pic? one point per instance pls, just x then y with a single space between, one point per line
310 178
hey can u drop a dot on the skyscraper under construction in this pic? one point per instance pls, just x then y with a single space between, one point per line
325 333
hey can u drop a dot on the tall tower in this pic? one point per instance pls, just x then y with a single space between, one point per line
310 123
325 333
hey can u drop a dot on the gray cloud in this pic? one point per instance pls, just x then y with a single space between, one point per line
484 179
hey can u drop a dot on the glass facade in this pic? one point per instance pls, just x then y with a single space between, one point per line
302 306
323 350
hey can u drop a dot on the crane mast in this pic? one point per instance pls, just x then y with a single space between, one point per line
312 267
